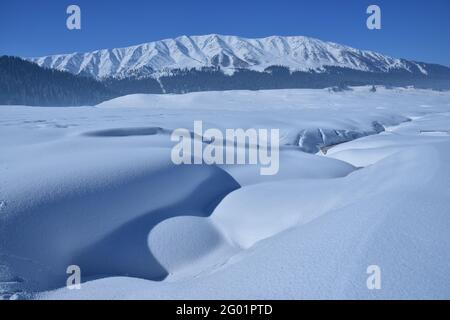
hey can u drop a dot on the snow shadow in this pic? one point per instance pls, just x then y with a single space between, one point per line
125 251
127 132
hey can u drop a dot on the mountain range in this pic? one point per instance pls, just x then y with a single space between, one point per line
206 63
230 53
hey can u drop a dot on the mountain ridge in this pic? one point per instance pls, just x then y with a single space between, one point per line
230 53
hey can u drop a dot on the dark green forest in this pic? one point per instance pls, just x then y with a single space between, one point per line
25 83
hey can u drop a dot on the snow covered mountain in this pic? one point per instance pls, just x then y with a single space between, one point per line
298 53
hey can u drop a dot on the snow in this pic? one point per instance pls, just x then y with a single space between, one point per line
298 53
95 187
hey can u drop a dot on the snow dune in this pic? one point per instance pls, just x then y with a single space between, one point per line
94 207
95 187
395 223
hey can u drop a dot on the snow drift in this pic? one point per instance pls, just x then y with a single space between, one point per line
95 187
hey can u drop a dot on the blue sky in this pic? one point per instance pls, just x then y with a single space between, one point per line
413 29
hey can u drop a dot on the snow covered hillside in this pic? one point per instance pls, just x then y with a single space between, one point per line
364 180
298 53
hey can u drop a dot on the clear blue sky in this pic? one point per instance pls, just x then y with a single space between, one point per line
413 29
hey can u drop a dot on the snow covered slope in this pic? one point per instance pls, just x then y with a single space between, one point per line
228 52
100 192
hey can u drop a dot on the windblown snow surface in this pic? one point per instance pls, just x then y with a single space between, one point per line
364 180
